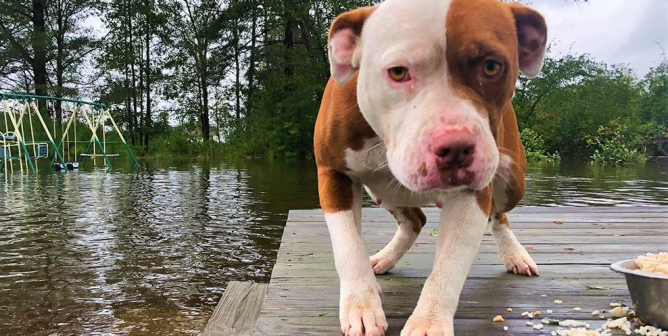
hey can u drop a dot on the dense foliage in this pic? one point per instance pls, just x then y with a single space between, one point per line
580 107
249 75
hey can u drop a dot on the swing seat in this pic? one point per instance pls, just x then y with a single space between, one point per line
72 165
42 151
7 137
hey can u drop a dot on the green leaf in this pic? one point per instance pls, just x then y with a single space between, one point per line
599 287
322 314
433 233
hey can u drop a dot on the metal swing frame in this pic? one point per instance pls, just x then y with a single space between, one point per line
100 114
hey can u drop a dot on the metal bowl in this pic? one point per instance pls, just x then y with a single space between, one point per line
649 293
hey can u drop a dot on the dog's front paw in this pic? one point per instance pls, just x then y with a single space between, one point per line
382 262
427 326
520 263
361 311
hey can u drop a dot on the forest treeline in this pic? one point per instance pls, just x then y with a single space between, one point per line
245 77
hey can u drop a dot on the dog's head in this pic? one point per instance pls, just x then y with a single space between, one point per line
434 78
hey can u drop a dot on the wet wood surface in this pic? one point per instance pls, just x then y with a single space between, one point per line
572 246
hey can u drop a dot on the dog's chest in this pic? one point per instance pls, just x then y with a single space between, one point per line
369 165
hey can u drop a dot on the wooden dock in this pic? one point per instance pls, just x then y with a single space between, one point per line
573 257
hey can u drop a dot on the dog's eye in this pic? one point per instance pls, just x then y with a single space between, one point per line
491 69
399 74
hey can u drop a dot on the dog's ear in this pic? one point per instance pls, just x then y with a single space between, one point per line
344 48
531 38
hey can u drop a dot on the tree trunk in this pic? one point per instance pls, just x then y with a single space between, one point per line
39 44
251 64
60 68
289 42
147 122
237 82
205 97
126 83
133 72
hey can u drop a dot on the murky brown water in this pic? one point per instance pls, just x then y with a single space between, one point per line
150 252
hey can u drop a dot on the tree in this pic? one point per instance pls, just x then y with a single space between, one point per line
72 43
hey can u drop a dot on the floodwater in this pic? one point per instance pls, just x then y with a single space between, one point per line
149 252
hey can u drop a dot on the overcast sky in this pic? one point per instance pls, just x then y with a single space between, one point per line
612 31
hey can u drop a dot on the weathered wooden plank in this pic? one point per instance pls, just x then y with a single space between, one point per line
303 295
237 311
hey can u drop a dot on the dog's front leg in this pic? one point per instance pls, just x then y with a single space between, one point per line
462 226
360 308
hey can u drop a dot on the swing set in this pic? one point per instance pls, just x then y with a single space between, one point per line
15 146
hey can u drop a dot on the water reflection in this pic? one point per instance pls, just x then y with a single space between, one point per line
150 252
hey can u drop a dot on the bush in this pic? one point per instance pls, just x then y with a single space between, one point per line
612 146
534 147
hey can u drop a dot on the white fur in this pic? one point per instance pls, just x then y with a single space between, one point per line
370 166
513 255
455 251
360 305
402 241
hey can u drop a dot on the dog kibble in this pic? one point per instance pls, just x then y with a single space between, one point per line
498 318
558 301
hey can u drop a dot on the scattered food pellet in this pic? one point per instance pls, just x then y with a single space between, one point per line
529 323
538 326
619 311
549 311
498 318
558 301
536 313
505 328
577 309
651 331
595 312
621 323
615 304
573 323
579 332
510 310
558 222
525 313
602 317
530 315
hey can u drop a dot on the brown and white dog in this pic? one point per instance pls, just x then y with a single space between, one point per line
419 112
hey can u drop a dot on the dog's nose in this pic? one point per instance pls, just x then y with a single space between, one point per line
454 149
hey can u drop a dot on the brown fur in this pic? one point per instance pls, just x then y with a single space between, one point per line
415 216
